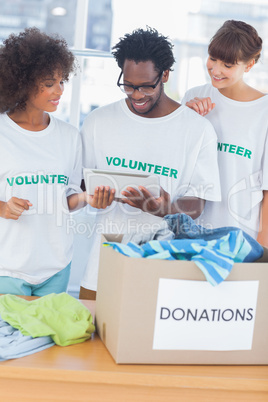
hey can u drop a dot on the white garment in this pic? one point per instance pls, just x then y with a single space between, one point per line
179 147
242 129
42 167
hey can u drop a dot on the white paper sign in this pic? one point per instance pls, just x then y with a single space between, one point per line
194 315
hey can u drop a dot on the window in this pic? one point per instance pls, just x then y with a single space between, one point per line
91 27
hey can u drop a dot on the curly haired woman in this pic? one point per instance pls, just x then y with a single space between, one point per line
40 165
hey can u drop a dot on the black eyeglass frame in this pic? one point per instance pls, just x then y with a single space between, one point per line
137 87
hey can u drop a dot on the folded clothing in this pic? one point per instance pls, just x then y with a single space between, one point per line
60 316
13 344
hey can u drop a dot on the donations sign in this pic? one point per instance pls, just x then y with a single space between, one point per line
194 315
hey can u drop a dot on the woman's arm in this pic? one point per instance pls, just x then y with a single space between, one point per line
201 105
13 208
263 229
102 198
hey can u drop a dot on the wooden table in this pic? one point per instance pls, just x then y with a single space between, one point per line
87 372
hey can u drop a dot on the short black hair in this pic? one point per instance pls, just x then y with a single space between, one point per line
145 45
27 58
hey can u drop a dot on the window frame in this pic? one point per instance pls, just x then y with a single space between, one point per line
80 51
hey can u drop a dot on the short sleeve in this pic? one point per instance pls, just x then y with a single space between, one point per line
74 185
205 181
87 137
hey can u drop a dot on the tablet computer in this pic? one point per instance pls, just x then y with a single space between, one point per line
119 181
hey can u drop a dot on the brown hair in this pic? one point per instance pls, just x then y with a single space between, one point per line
26 59
235 41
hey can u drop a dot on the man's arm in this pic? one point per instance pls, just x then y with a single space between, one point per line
263 230
191 206
162 205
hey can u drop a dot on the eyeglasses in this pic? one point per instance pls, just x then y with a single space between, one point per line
143 89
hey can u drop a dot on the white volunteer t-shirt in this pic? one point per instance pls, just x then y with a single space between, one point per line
180 148
241 129
42 167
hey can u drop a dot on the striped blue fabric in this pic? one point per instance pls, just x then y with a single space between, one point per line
214 257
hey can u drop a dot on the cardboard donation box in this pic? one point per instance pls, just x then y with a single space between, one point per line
165 312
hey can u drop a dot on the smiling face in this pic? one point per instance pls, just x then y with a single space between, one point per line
48 94
224 75
139 74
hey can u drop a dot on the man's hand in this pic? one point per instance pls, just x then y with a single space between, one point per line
162 205
145 201
13 208
201 105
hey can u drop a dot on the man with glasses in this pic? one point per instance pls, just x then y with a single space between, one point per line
147 132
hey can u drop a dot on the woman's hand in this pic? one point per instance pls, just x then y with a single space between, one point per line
102 198
201 105
13 208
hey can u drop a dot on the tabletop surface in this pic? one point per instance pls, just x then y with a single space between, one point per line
91 363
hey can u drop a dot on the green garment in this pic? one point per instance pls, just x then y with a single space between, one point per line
60 316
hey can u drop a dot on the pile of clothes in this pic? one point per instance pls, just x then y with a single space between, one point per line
179 238
27 326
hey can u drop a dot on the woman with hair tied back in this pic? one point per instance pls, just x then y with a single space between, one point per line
238 113
40 165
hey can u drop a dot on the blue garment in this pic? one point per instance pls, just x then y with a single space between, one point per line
56 284
13 344
183 226
213 250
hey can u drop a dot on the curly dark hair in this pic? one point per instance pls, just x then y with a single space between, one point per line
145 45
25 60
